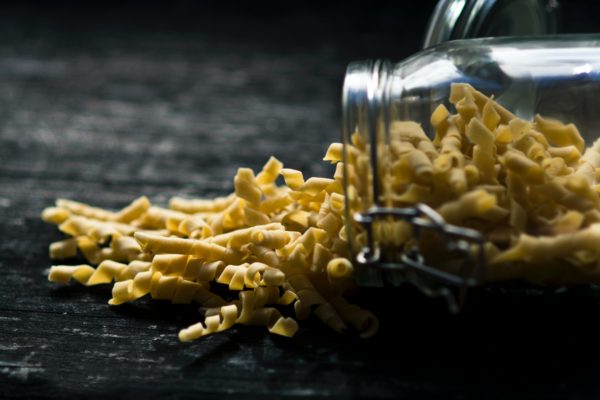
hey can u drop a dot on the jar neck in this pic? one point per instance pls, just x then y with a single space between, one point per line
365 107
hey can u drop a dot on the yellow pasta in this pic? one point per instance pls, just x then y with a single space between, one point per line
334 153
246 186
192 206
261 253
64 273
261 274
133 211
293 178
197 248
63 249
364 321
339 268
270 172
212 324
271 239
84 210
234 276
55 215
529 187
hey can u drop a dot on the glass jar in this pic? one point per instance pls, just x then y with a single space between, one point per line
555 76
463 19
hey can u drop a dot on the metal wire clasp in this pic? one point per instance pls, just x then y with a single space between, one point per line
430 280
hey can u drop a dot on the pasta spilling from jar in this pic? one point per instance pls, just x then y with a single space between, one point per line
530 187
272 246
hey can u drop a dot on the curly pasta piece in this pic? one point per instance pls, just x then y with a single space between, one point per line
246 186
364 321
212 324
210 271
170 264
309 298
314 186
258 274
99 230
558 133
297 219
55 215
334 153
106 272
234 276
321 257
63 249
159 286
64 273
255 217
340 268
253 312
470 205
271 239
270 171
193 206
275 204
261 254
293 178
133 211
84 210
197 248
538 249
484 151
194 225
241 236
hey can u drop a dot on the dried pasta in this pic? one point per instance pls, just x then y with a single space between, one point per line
267 242
531 188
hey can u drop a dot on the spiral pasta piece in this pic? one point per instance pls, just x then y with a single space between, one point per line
270 171
212 324
234 276
63 249
193 206
55 215
133 210
364 321
258 274
84 210
254 312
339 268
198 248
246 186
162 287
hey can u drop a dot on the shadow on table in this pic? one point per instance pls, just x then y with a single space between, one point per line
506 340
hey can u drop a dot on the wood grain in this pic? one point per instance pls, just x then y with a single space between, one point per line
103 114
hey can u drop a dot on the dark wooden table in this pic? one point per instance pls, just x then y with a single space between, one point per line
103 105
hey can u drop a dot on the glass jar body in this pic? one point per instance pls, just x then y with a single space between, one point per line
556 76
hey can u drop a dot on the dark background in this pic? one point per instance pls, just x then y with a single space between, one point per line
103 102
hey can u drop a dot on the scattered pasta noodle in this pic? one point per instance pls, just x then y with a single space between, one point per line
273 245
530 187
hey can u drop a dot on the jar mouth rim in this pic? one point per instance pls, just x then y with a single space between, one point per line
462 19
365 106
365 99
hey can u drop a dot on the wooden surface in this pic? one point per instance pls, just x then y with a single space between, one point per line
103 109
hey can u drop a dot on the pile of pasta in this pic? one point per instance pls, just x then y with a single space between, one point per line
530 187
271 245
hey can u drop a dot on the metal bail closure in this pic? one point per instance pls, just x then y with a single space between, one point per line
432 281
365 106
